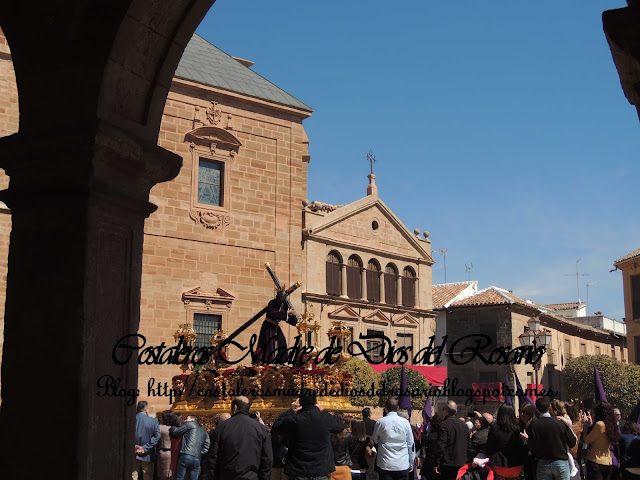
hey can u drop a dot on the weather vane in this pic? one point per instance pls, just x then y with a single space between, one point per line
371 158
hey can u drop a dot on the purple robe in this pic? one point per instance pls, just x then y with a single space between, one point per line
271 336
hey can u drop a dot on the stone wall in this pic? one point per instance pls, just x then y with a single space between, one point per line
261 219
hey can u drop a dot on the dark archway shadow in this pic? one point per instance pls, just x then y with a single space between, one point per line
93 78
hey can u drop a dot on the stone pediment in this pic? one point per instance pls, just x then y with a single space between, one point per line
353 225
198 294
376 317
405 320
213 137
345 312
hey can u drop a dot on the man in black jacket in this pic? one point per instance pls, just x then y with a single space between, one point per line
453 446
369 423
195 443
242 447
549 439
308 430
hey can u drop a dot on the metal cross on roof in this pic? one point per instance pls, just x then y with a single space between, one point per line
371 158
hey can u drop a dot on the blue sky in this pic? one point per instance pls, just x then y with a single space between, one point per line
499 126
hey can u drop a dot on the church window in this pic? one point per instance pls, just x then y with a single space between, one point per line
213 150
373 281
391 284
409 287
211 182
334 277
354 277
205 324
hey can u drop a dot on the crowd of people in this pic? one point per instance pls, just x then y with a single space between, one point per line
552 440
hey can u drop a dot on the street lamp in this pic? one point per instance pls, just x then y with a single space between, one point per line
534 335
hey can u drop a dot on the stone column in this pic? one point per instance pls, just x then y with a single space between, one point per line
398 289
381 279
363 278
78 201
416 292
343 273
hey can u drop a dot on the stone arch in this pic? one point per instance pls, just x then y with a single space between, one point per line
79 194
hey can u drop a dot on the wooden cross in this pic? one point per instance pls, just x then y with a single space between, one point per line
288 291
249 322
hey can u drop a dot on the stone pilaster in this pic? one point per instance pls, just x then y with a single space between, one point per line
78 201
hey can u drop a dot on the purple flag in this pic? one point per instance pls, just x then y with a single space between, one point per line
527 397
404 401
508 399
600 395
634 416
426 416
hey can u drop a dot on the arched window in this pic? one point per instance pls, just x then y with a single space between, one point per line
373 281
390 284
409 287
354 277
334 278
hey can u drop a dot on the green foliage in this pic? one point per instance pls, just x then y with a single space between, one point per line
363 377
415 381
621 381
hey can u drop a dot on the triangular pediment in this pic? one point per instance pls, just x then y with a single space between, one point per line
405 320
217 136
198 294
376 316
353 223
345 312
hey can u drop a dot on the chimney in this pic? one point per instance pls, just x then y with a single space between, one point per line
372 189
246 63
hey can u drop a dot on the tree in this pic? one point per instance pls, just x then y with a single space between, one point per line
416 382
363 376
621 381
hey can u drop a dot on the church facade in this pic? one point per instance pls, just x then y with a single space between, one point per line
366 269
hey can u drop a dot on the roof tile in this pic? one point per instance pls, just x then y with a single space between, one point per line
442 294
629 256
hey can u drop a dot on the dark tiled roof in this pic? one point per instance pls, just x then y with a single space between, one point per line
629 256
446 292
205 63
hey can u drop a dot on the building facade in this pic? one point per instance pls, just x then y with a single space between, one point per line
630 267
503 318
235 205
365 268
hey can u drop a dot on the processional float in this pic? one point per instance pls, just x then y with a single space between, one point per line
208 390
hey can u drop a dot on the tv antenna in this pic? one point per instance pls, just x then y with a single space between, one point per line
578 275
468 269
443 252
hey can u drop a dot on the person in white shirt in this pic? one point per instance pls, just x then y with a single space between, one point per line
394 438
